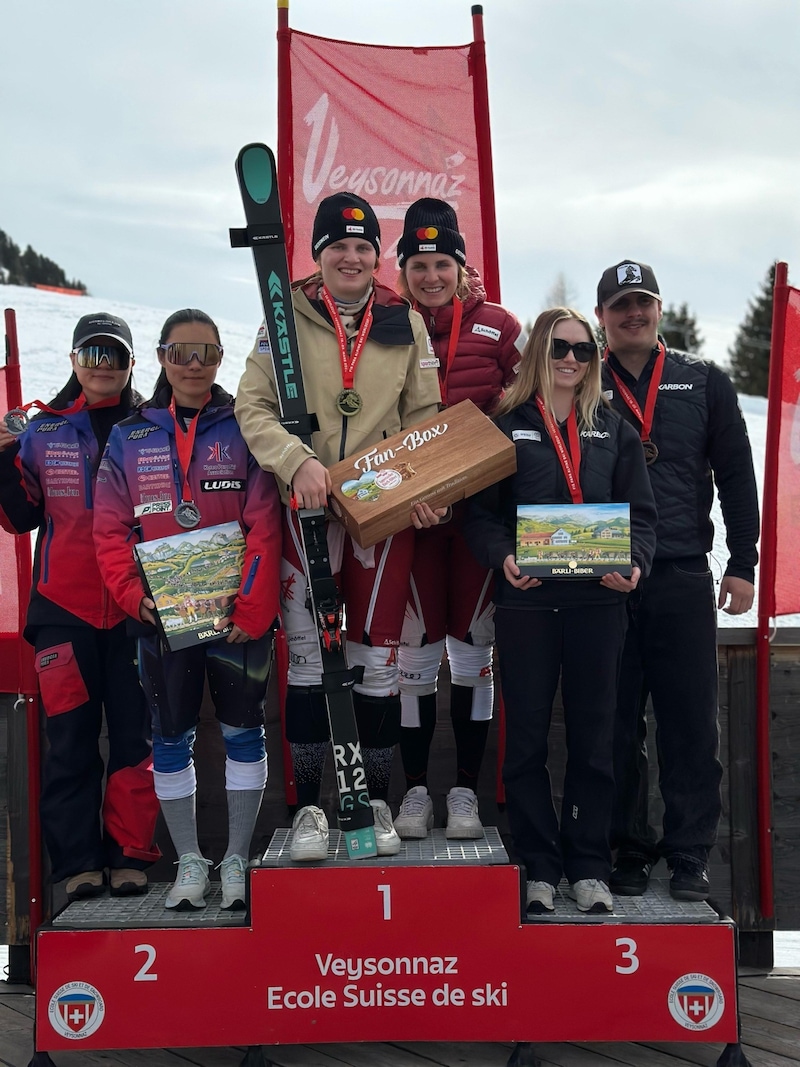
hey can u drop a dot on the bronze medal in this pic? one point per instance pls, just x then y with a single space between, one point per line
650 452
349 402
16 421
187 514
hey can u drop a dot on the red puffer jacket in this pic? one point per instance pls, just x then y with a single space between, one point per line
489 346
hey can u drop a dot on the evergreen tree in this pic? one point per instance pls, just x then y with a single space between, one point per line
750 352
679 329
31 268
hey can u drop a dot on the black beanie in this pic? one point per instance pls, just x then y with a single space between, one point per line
344 215
431 225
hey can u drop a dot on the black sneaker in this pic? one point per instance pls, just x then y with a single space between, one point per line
688 879
630 876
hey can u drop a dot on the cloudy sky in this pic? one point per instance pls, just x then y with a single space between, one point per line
664 131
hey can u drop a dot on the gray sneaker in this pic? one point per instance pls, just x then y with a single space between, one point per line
191 886
309 835
592 895
234 882
539 898
386 837
415 817
463 821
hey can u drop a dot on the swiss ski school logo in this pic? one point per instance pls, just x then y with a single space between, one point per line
696 1002
76 1010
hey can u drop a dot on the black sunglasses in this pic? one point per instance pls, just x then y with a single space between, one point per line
583 351
90 356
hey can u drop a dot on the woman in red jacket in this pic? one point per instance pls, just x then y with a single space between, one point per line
84 658
180 464
477 345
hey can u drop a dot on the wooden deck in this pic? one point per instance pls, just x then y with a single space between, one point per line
770 1007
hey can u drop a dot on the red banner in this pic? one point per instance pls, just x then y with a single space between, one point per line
787 572
390 124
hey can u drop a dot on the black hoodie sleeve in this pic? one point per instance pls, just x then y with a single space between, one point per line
632 483
489 538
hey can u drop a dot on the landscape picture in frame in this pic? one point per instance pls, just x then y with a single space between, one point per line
573 540
193 578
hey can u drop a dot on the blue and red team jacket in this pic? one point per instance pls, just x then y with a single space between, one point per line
140 484
48 483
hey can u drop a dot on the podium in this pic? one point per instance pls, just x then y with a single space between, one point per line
429 945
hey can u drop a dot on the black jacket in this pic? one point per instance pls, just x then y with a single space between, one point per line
612 469
701 438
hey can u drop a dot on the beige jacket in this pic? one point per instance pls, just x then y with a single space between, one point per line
396 377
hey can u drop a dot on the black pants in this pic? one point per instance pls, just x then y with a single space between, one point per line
174 682
84 672
671 655
583 645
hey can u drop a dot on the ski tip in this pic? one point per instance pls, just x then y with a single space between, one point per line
361 843
255 165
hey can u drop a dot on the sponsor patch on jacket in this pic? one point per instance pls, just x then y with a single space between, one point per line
262 330
219 485
525 435
425 364
48 427
675 385
608 394
155 507
430 348
595 433
143 431
263 347
486 331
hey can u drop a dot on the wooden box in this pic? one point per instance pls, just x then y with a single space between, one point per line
444 459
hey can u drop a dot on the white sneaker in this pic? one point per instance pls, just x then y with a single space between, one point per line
309 835
539 897
192 884
463 821
415 817
592 895
234 882
386 837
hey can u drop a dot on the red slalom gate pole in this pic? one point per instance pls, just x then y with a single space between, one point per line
491 262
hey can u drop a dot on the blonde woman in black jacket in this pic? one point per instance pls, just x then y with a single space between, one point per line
571 448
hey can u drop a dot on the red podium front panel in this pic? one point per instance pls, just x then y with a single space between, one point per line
385 953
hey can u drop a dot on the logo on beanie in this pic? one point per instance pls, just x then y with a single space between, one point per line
427 233
354 213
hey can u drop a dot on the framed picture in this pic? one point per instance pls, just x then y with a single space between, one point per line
193 578
573 540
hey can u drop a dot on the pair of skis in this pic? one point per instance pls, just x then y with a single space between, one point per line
256 172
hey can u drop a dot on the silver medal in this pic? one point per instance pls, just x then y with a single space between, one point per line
187 514
16 421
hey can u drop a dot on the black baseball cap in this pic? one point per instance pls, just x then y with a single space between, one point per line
102 324
627 276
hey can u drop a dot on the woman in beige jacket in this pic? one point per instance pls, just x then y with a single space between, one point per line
368 372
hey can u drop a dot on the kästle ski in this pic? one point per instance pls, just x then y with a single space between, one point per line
255 170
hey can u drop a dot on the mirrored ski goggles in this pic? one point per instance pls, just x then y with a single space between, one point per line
183 352
583 351
115 356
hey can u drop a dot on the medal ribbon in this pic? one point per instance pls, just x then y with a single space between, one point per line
452 344
645 417
349 362
570 460
184 443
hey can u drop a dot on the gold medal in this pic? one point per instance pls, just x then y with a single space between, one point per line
349 402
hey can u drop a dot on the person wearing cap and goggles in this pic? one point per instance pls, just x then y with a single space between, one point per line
368 373
477 346
180 464
84 659
687 415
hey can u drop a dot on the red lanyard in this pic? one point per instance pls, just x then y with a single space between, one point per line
570 461
452 344
184 443
349 362
645 417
